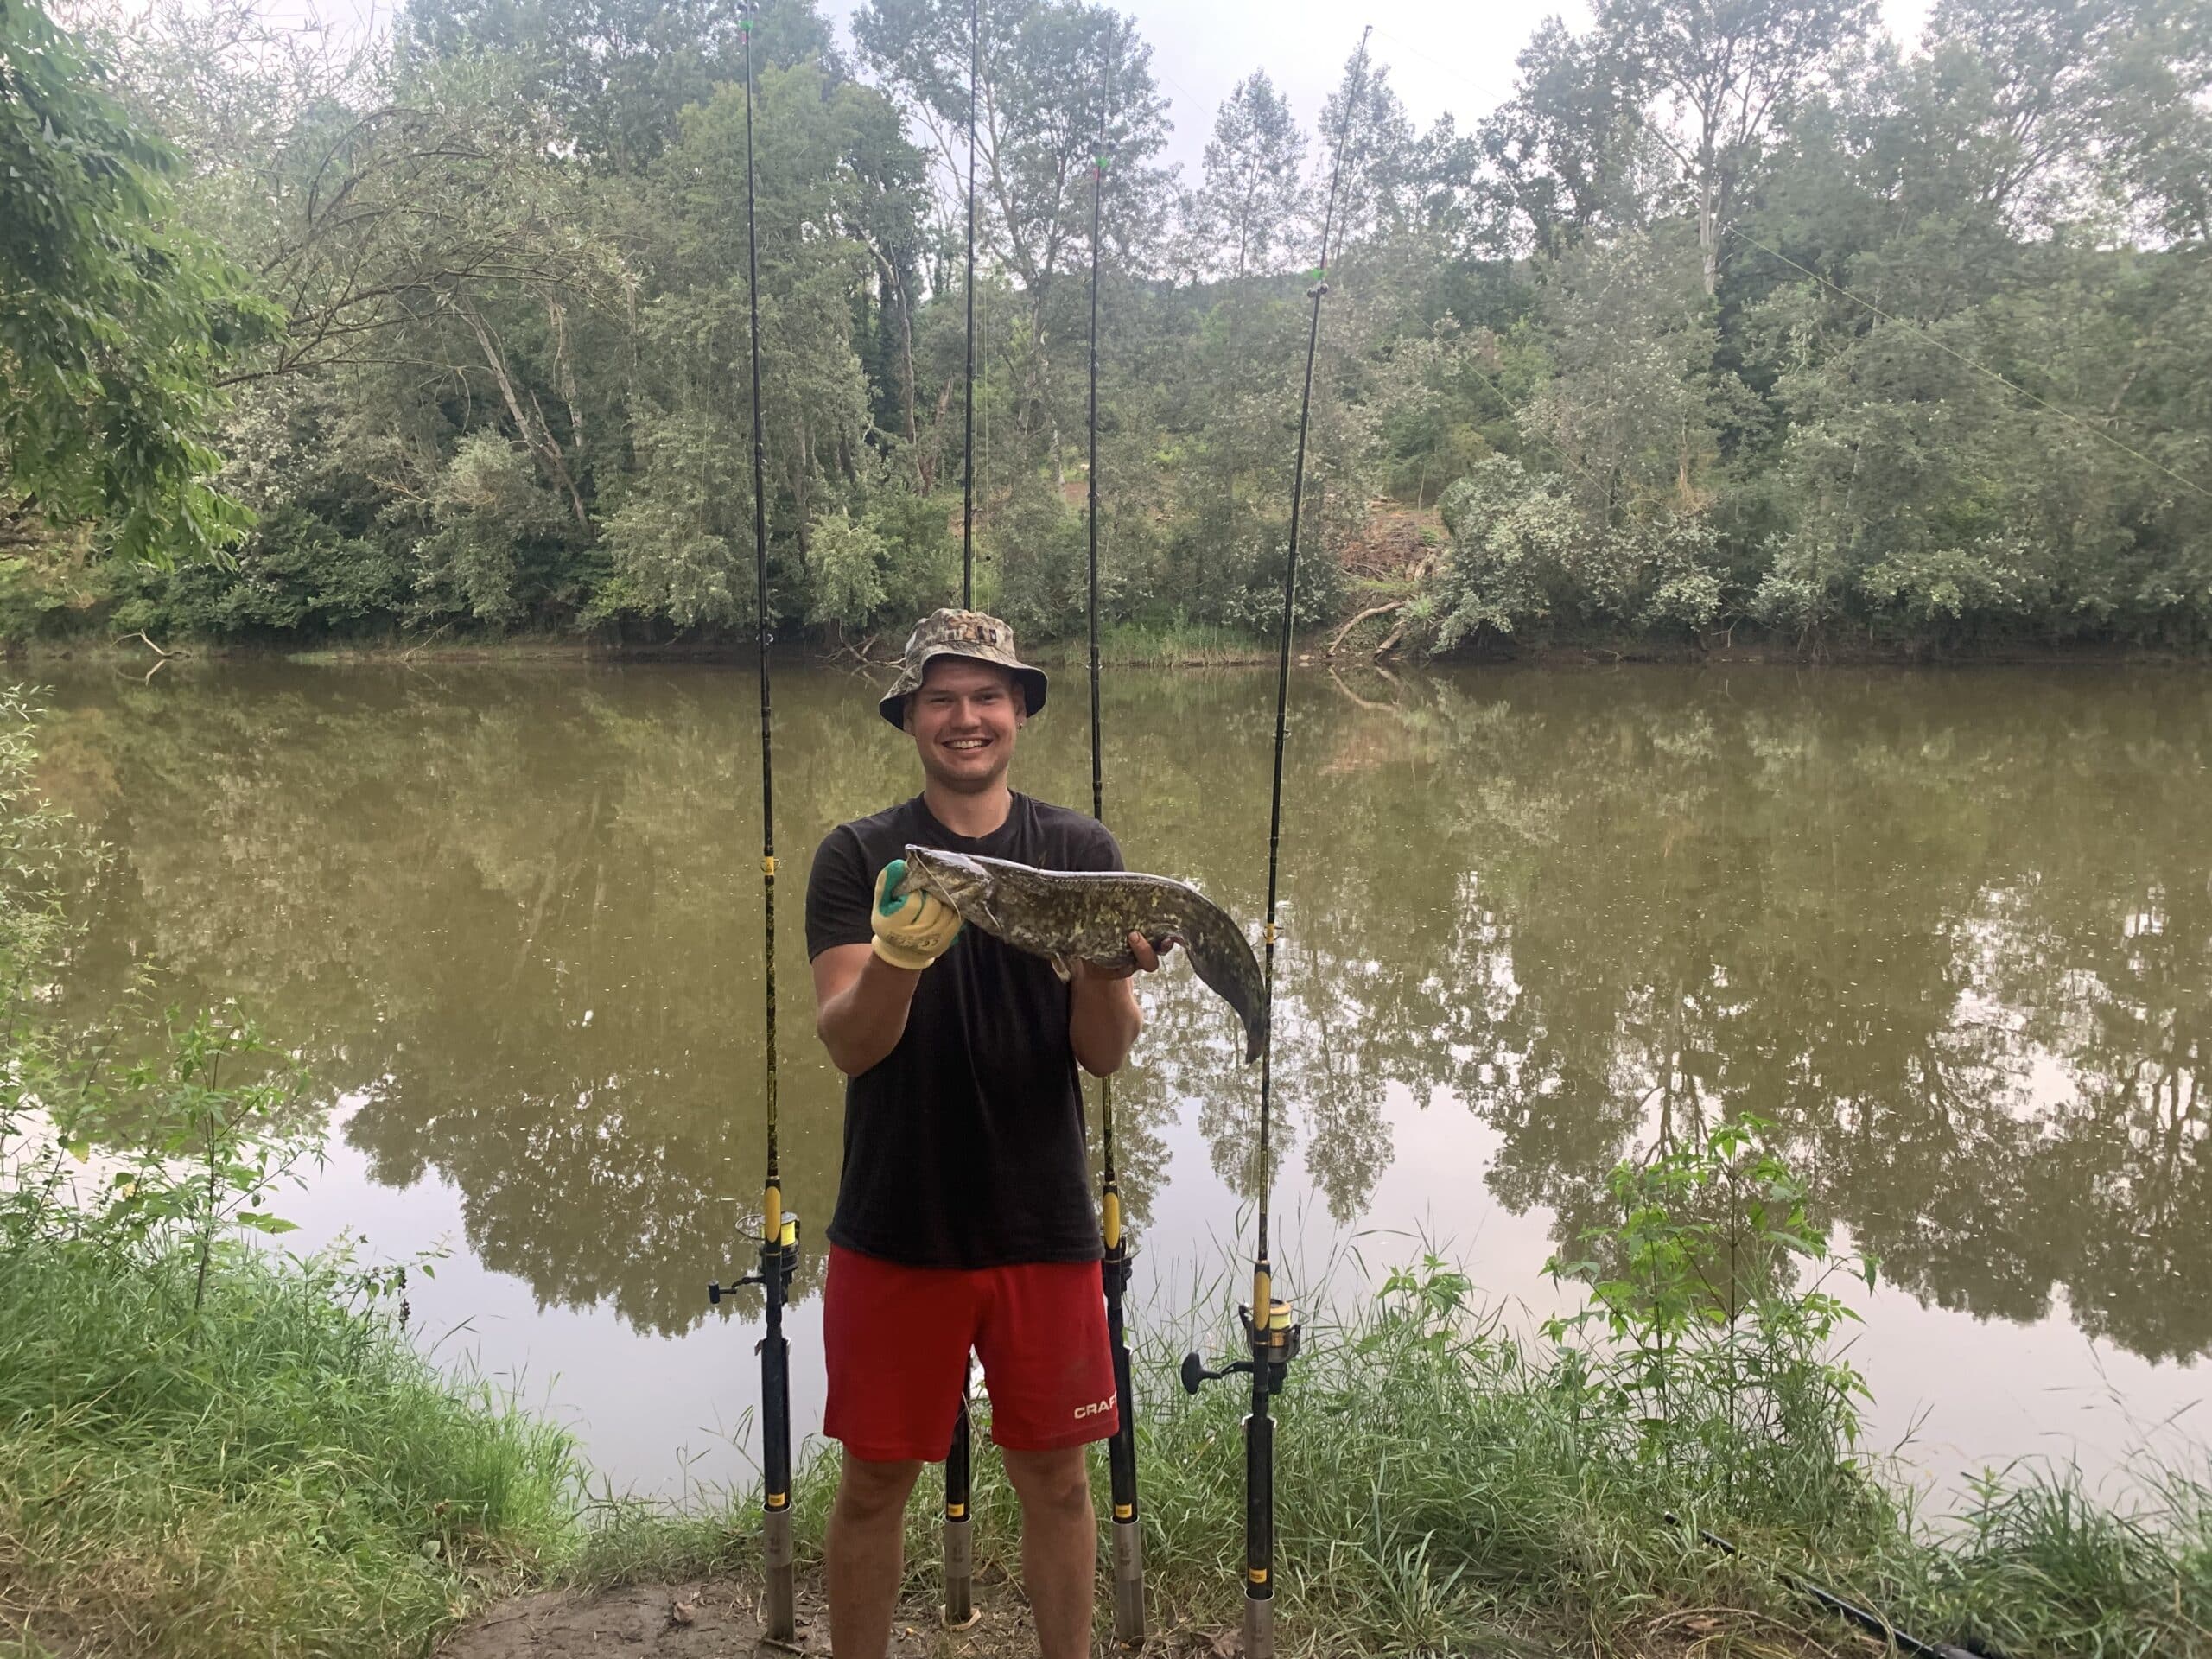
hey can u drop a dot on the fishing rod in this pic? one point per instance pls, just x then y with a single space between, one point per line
1121 1449
778 1226
968 450
1271 1328
1873 1623
959 1609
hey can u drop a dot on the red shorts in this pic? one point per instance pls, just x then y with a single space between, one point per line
896 1340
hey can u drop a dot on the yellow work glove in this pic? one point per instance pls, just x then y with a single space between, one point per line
913 931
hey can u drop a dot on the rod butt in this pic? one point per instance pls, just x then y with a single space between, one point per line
1259 1627
1129 1583
960 1574
780 1608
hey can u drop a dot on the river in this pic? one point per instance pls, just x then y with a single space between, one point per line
1952 932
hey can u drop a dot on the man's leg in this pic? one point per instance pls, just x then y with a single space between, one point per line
1059 1546
864 1554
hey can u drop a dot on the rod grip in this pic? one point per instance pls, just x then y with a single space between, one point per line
1259 1508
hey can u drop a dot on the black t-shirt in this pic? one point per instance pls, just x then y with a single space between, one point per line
964 1145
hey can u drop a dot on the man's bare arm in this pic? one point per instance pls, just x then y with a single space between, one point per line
1103 1018
860 1004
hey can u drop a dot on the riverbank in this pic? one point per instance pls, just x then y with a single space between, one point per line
1442 1489
277 1470
285 1474
1123 645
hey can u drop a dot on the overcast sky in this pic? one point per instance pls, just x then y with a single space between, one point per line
1442 54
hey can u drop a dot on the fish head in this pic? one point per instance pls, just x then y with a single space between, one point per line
958 879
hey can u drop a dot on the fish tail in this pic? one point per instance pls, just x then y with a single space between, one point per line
1222 957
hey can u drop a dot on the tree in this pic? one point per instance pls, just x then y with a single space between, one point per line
1566 150
114 324
615 74
1729 69
1251 202
1062 80
1382 157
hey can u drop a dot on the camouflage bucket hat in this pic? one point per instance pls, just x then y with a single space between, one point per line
958 633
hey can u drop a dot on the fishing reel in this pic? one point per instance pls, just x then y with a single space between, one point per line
1273 1344
779 1266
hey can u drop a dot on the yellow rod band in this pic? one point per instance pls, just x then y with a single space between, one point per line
1125 1511
954 1511
1111 1208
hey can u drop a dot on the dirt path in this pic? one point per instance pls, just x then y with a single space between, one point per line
719 1618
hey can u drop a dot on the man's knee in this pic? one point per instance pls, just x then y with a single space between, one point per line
1058 1480
868 1489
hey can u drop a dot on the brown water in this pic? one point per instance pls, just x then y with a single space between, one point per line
1953 931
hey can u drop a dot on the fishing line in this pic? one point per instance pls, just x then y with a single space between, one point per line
778 1227
968 446
1121 1448
1269 1323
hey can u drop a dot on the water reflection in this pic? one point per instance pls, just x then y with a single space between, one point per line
1954 932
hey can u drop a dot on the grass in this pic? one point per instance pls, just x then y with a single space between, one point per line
283 1474
1168 644
1439 1492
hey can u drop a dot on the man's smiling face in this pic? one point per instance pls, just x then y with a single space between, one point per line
964 717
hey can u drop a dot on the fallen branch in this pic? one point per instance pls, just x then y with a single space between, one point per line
1389 642
151 645
1371 611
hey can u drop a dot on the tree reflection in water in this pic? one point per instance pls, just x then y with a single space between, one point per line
1953 933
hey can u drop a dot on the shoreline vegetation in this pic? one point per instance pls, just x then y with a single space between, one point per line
1126 646
283 1473
1719 319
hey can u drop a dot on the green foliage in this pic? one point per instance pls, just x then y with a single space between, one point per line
849 562
1784 330
1716 1361
1524 555
114 323
1043 565
1442 1487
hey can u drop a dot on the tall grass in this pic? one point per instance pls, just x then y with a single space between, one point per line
1164 645
1445 1488
278 1473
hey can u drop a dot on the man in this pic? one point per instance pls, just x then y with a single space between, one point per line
964 1216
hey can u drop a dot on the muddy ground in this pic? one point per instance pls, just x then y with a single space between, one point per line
719 1618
